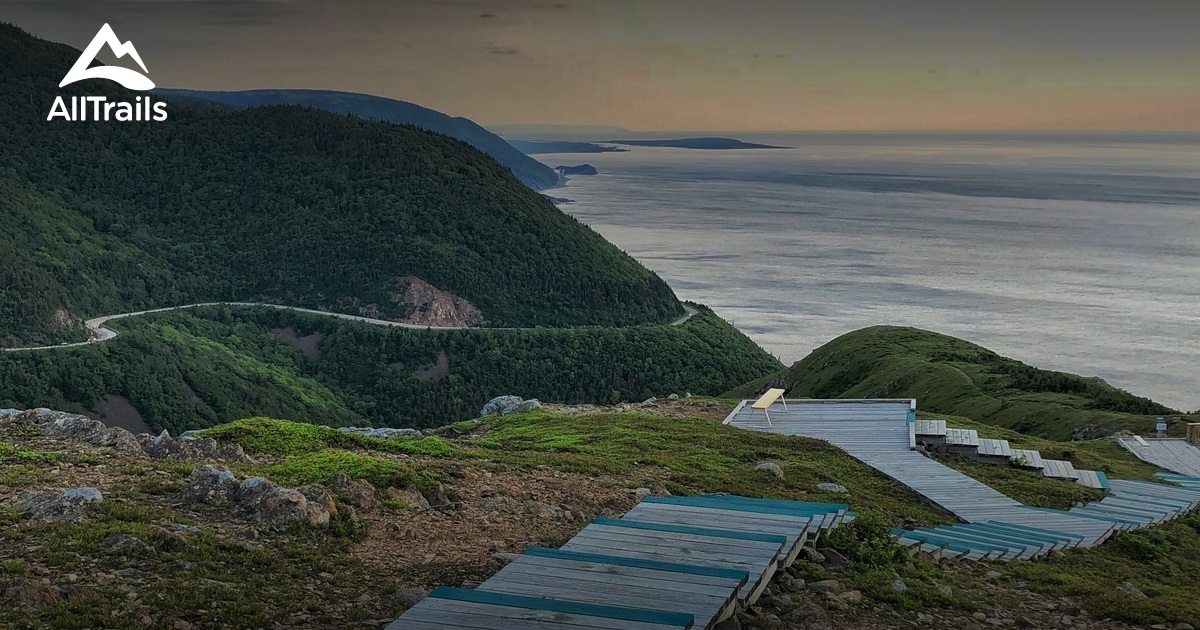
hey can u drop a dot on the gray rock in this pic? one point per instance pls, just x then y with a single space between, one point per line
408 597
125 545
836 488
67 505
673 397
643 492
497 405
525 405
1126 587
898 586
828 586
770 467
209 483
649 402
833 559
388 433
812 555
4 413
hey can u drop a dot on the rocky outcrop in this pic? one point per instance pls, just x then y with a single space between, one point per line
504 405
382 432
59 505
432 306
265 501
95 433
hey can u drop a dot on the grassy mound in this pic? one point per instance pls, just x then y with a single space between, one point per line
953 376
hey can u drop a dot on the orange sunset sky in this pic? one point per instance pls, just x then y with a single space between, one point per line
684 64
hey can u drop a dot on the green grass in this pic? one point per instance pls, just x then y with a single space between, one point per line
318 467
953 376
12 454
1162 561
688 456
270 436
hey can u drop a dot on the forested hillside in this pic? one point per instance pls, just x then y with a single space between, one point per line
535 174
186 370
284 204
952 376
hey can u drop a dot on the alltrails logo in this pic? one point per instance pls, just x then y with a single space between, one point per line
99 107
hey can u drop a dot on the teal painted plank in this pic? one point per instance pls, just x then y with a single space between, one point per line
928 535
706 501
685 529
1103 480
1014 534
558 605
783 503
1066 537
979 540
600 558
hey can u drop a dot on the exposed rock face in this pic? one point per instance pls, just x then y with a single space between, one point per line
356 492
95 433
432 306
66 505
263 499
504 405
382 432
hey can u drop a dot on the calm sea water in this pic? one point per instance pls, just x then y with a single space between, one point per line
1070 252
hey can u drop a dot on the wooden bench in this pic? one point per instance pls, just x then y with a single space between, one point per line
764 403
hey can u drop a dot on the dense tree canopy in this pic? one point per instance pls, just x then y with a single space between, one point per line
186 370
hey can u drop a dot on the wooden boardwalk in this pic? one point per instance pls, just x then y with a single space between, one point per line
1176 455
882 434
670 562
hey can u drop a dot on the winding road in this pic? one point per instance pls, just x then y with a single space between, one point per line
99 332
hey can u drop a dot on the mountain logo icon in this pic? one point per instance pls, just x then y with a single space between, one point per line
129 78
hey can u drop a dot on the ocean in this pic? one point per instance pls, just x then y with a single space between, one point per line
1074 252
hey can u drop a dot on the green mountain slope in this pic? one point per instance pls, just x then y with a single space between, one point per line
285 204
953 376
186 370
535 174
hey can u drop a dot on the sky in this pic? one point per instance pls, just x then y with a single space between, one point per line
753 65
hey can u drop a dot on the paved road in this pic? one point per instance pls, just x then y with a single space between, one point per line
99 332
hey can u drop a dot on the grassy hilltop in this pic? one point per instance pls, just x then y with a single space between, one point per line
953 376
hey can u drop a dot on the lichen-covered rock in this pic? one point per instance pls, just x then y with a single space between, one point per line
504 405
209 483
280 506
27 593
835 488
163 446
410 496
66 505
125 545
770 467
500 405
356 492
386 433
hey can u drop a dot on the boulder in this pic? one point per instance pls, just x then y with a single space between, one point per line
497 405
28 593
835 488
504 405
65 505
770 467
356 492
410 496
209 483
